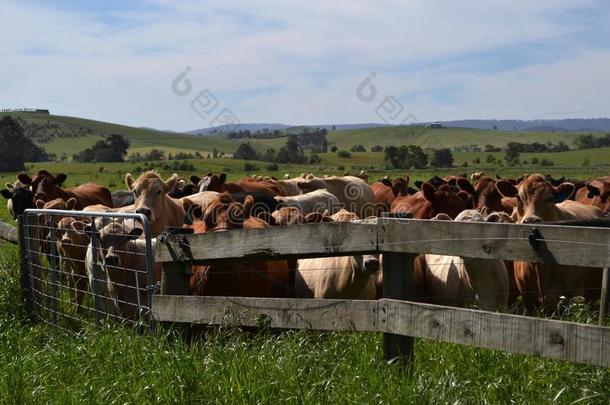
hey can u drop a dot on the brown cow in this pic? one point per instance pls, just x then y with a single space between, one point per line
387 191
596 193
72 243
47 187
486 195
252 279
429 202
539 201
153 201
212 182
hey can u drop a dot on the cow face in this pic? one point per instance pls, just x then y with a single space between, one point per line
113 239
68 233
443 200
599 192
150 193
368 264
19 198
211 182
400 186
225 214
44 185
536 197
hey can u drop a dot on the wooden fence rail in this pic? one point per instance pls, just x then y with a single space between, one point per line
400 321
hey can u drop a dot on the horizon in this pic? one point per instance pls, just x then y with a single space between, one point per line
191 65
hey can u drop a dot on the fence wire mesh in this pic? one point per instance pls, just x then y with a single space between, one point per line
87 268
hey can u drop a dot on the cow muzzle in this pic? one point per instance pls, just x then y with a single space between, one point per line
370 264
532 220
147 212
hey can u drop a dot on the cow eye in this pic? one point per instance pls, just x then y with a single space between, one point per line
159 191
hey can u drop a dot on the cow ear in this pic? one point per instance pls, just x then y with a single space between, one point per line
60 178
195 179
506 189
386 182
189 189
171 183
563 192
129 181
222 178
428 190
442 217
24 178
135 233
39 204
593 191
196 211
248 204
78 225
10 186
418 184
465 185
71 203
6 194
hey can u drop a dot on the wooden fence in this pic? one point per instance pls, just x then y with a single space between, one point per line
399 240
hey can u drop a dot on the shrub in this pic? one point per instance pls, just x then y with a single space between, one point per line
535 160
250 167
273 167
546 162
344 154
377 148
333 148
358 148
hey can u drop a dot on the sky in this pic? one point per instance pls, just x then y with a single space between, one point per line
184 65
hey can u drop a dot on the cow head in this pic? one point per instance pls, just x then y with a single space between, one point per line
44 185
536 197
19 198
113 240
443 199
150 193
225 214
210 182
69 233
400 186
599 191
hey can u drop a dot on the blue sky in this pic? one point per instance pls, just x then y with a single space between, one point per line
301 62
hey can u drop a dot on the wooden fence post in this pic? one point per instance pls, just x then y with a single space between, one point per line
176 274
397 284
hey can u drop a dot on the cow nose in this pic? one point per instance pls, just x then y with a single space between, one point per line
111 260
144 211
371 265
532 220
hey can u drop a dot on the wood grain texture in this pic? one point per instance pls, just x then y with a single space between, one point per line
8 233
588 344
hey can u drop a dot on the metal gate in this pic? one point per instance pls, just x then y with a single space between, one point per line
87 267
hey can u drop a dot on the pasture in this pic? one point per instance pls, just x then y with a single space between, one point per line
120 364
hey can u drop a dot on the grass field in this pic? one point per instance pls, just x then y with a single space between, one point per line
118 365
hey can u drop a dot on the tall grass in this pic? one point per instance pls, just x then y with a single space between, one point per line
116 364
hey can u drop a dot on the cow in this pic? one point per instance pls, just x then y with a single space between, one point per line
353 193
122 198
316 201
72 242
47 187
387 191
596 193
543 284
485 194
462 281
19 198
218 183
341 277
429 202
152 200
253 279
122 259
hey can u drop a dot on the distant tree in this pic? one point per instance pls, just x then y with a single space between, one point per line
273 167
250 167
291 152
112 149
246 152
377 148
16 148
490 159
358 148
512 153
405 157
154 154
313 158
333 148
535 160
344 154
442 158
270 155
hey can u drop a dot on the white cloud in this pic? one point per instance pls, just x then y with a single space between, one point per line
312 54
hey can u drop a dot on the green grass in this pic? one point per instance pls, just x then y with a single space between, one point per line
116 364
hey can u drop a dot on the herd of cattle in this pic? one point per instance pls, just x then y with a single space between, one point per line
212 204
